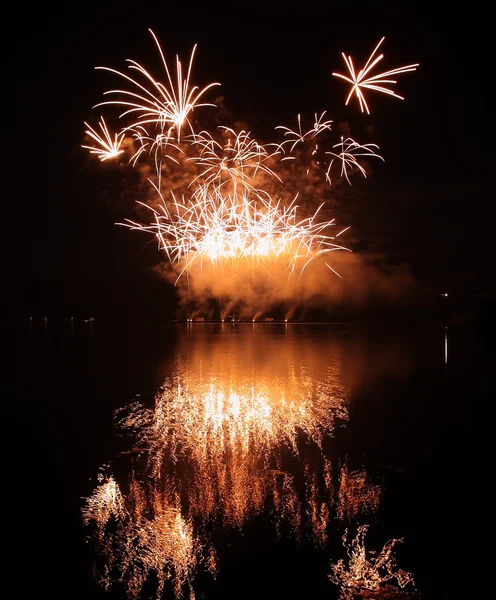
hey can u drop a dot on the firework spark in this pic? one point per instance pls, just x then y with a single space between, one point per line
165 107
361 80
108 147
349 150
295 137
232 228
237 161
347 157
222 200
154 144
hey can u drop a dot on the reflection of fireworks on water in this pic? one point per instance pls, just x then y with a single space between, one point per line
361 80
105 502
147 534
229 438
357 495
364 572
215 450
227 208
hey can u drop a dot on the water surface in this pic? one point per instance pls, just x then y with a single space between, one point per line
257 445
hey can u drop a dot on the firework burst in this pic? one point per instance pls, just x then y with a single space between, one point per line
347 157
164 107
219 197
238 160
363 80
237 228
108 147
298 136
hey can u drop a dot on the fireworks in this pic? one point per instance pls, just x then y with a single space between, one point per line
234 228
349 150
223 205
108 148
106 502
362 80
230 199
165 107
296 137
237 162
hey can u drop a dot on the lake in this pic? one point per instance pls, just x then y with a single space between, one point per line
240 454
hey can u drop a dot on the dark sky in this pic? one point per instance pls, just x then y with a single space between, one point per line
428 206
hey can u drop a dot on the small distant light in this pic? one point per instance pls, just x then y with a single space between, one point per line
445 295
286 320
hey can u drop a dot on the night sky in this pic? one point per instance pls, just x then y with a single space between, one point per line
427 206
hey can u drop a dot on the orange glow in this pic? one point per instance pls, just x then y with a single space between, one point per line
221 444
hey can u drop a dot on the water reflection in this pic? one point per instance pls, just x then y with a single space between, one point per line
240 426
370 574
445 349
357 495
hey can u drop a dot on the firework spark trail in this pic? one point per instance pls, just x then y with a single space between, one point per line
156 145
347 157
105 502
164 107
225 228
229 201
235 161
297 137
108 147
360 80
